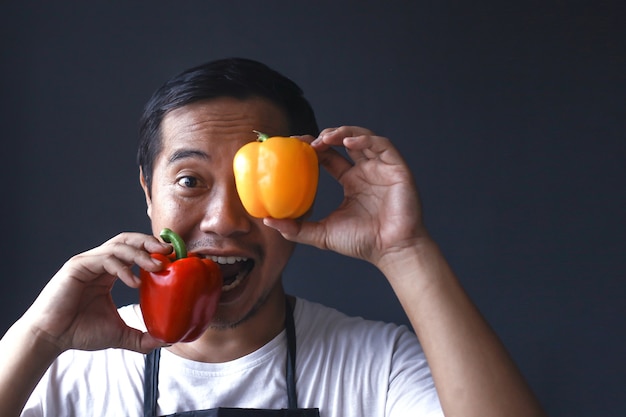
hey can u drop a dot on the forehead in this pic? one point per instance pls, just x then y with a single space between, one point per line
222 117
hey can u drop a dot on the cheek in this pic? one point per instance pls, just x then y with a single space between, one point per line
278 249
166 212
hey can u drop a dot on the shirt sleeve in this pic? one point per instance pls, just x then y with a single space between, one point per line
411 386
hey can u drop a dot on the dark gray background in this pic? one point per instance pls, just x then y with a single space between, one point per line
511 116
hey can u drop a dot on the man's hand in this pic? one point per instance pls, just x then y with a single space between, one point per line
75 310
380 213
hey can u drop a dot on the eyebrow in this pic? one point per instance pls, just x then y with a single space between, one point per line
188 153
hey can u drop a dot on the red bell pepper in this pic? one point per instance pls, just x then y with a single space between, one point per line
179 301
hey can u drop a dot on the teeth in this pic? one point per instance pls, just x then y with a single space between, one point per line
235 283
227 260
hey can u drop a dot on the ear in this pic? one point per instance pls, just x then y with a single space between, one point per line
146 191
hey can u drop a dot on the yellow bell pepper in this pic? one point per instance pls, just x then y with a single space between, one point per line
276 176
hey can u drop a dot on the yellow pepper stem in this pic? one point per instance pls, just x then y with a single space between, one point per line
262 137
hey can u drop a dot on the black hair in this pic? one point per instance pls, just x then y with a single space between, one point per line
232 77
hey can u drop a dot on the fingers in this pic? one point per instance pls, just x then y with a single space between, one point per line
138 341
308 233
335 136
361 145
334 163
141 241
116 257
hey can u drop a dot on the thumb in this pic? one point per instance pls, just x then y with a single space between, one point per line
139 341
309 233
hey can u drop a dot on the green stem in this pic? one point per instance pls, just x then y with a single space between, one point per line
262 137
177 242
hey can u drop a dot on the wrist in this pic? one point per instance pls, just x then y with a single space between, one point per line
403 259
418 273
26 355
33 341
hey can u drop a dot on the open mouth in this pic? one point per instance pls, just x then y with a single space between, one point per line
234 270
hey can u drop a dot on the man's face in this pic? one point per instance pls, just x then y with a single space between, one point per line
193 193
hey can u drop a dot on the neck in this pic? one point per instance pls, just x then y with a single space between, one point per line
226 344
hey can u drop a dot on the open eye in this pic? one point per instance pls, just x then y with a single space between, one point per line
188 181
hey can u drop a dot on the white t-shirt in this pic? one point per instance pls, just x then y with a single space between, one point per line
345 366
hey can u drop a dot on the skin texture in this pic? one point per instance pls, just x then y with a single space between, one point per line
379 221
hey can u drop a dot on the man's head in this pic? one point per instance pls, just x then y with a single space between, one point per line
190 132
233 77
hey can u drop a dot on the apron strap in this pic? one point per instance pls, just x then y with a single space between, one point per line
151 383
151 374
291 356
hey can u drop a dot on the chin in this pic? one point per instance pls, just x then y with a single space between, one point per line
228 316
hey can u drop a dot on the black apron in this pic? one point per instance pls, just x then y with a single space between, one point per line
151 394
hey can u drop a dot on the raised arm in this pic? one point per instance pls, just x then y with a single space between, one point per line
74 311
380 221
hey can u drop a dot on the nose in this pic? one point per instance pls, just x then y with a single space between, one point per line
224 214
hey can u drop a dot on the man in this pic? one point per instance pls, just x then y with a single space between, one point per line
264 350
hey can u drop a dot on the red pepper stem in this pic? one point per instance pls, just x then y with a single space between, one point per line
177 242
262 137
